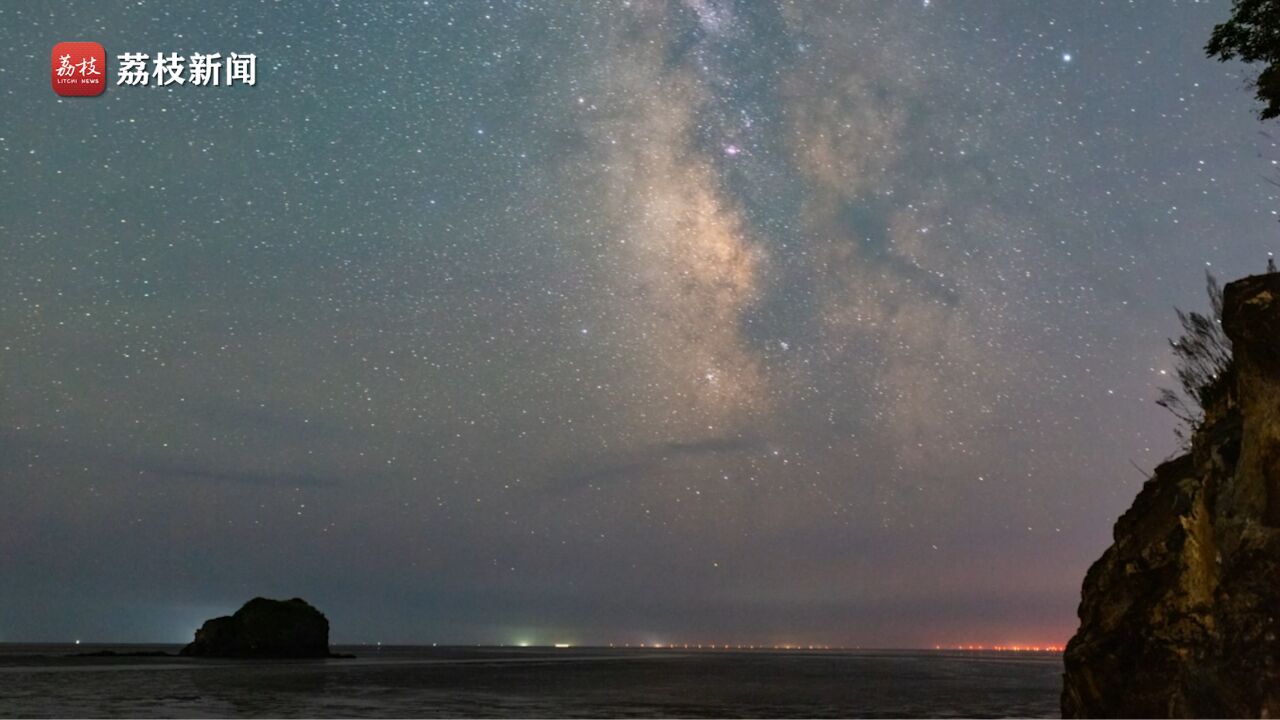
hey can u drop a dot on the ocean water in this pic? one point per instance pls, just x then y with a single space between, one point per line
51 681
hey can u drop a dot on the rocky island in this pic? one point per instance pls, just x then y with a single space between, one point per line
267 629
1178 616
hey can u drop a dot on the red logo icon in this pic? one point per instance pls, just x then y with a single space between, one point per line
79 68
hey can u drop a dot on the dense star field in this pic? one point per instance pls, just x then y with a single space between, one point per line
590 322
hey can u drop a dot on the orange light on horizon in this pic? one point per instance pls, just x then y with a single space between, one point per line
816 647
1049 647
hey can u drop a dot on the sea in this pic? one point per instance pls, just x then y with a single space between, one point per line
387 681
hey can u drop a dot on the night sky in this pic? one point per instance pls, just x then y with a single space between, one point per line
591 322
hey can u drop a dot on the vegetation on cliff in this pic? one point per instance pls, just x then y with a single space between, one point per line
1204 368
1178 616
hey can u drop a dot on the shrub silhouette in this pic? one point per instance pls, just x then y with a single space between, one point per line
1202 358
1252 34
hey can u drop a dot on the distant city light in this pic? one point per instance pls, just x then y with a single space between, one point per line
1002 648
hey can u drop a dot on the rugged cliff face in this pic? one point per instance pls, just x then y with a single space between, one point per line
1178 616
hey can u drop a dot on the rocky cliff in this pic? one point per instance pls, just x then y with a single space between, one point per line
1178 616
264 628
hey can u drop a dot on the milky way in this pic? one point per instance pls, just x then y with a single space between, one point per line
592 322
